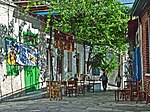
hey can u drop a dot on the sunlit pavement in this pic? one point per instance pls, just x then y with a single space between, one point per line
91 102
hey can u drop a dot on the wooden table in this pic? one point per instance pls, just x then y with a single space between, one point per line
121 94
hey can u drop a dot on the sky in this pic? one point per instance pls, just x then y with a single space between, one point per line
127 2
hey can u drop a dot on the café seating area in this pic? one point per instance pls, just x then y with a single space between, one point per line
54 90
133 91
58 89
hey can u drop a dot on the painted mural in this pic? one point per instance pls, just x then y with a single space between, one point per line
31 76
21 54
31 73
21 61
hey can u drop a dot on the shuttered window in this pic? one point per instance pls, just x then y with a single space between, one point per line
69 61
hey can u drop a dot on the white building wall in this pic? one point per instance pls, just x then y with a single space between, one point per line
10 84
74 69
80 50
65 66
65 74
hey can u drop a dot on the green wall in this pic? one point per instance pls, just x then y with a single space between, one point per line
31 73
31 76
12 70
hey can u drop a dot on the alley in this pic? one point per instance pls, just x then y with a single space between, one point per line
91 102
45 44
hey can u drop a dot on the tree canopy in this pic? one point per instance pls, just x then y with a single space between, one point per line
101 24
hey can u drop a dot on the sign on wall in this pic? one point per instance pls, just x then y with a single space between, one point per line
21 54
63 41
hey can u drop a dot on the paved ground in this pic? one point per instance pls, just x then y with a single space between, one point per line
91 102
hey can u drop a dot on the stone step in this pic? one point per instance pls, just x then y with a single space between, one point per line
30 96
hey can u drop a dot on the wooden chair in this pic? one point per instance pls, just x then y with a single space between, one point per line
71 88
63 85
47 87
126 85
124 92
90 86
81 87
129 90
55 90
121 94
148 93
133 90
141 93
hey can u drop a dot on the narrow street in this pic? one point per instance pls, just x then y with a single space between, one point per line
91 102
55 47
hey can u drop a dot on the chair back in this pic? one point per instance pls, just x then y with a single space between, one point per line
64 83
55 84
134 85
126 84
72 83
139 85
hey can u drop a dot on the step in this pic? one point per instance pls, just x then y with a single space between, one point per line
30 96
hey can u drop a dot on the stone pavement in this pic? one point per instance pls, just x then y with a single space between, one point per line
91 102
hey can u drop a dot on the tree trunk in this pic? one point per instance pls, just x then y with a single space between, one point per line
51 32
89 61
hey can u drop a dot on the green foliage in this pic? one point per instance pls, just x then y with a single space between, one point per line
105 59
100 23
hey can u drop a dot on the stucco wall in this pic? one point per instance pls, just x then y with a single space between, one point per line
10 84
65 74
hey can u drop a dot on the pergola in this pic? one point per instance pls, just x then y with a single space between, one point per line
127 2
40 11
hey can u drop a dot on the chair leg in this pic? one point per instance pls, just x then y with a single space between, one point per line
138 97
146 99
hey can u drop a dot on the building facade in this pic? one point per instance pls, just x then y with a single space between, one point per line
25 56
139 28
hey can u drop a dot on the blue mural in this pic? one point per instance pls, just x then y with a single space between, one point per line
21 54
136 68
138 64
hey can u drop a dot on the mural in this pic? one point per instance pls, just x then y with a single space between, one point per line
31 73
21 54
18 56
31 76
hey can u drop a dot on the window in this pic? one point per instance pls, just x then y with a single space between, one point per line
59 62
69 61
78 63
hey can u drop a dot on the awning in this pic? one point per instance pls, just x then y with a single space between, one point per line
132 28
139 6
39 10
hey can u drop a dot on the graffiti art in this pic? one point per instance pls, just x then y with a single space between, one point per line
21 54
